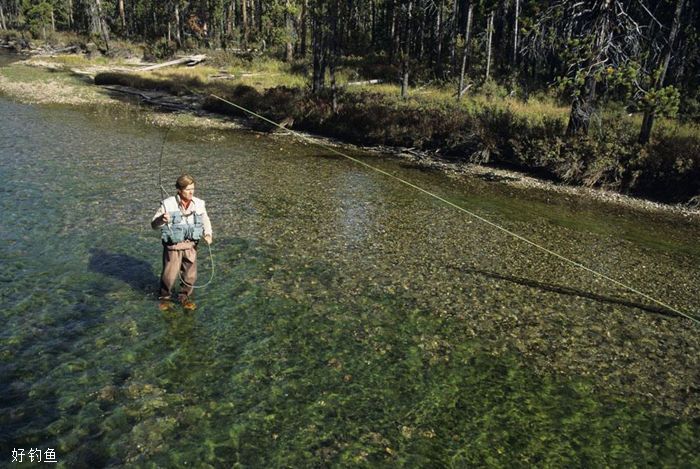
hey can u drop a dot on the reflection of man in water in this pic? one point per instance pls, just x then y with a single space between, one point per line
183 221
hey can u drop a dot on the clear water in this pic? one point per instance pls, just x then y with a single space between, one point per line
351 322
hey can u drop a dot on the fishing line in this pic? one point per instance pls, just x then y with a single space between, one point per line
163 193
462 209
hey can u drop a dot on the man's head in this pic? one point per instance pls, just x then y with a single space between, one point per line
185 186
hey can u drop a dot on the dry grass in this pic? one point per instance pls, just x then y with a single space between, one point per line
263 73
30 86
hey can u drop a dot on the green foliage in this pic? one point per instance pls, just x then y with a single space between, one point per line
664 101
689 109
491 89
159 50
622 81
274 22
38 17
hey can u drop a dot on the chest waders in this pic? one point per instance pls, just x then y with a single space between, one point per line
181 228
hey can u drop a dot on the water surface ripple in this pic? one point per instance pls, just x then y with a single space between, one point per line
352 321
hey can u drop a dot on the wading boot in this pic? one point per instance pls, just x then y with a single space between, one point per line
187 303
165 305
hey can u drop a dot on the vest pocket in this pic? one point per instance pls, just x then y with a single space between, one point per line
173 234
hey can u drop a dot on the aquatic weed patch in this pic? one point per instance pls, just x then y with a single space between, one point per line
266 378
376 383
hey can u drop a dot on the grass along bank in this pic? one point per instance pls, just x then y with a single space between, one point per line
485 128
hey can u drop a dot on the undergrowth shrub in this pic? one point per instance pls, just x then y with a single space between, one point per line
667 169
159 50
179 86
670 168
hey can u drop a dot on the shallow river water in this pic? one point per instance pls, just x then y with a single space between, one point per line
351 321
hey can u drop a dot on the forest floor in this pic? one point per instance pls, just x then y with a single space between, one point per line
69 79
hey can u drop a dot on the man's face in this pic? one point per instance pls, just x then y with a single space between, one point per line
187 192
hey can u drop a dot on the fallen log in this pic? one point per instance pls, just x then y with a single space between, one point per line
65 49
51 52
149 99
366 82
222 76
189 61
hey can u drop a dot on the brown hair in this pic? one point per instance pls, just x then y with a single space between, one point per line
184 181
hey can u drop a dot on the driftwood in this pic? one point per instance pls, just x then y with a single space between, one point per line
50 51
65 49
149 99
222 75
367 82
464 90
189 61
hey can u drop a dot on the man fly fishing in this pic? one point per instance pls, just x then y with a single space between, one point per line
183 222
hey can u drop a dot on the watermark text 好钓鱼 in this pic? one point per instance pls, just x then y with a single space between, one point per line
33 455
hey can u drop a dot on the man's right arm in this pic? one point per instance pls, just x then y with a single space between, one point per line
158 220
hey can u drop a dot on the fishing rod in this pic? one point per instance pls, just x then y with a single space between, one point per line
163 194
464 210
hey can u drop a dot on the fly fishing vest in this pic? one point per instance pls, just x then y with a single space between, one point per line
181 228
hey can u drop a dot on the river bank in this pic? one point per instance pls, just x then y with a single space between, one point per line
48 80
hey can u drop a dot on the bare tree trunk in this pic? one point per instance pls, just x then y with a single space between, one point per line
258 15
515 33
230 17
420 34
122 15
453 39
53 21
395 40
251 16
304 20
318 77
465 53
244 15
95 24
489 29
333 59
438 39
406 51
178 24
373 23
650 113
3 25
289 56
70 13
582 109
100 23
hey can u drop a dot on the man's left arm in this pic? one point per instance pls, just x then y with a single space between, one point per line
207 224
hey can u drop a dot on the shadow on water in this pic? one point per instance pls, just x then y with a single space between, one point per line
137 273
564 290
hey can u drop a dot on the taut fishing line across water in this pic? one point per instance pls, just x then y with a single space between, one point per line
462 209
163 194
